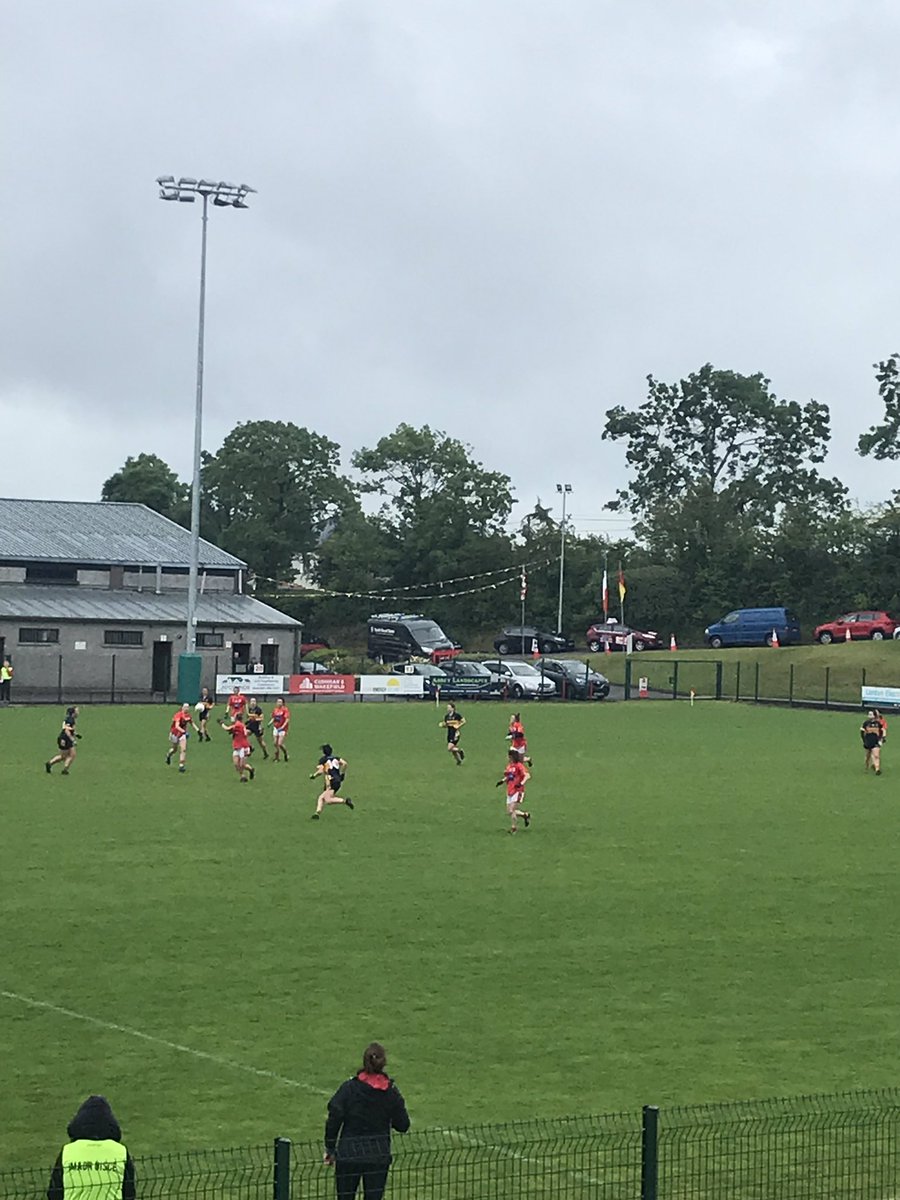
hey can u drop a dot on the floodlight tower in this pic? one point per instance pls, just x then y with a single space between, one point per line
223 195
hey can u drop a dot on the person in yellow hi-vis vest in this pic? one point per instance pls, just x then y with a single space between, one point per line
6 676
94 1165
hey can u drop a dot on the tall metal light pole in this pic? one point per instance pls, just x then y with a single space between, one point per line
224 195
564 489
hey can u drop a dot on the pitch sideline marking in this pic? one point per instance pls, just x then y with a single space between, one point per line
508 1152
30 1002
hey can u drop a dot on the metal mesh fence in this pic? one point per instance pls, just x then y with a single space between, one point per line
807 1148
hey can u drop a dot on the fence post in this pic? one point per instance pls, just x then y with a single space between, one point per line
719 673
827 682
737 681
282 1177
756 685
863 682
791 686
112 682
649 1152
627 684
59 681
675 680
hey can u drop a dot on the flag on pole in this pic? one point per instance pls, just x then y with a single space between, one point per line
622 588
605 595
523 585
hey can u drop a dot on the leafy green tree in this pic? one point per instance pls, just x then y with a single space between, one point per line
883 441
148 480
271 493
718 432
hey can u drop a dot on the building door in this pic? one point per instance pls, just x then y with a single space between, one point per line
268 656
162 667
240 657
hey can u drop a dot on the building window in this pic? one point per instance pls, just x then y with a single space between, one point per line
123 637
210 641
51 573
38 637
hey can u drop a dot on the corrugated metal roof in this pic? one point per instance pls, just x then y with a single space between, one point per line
98 533
32 602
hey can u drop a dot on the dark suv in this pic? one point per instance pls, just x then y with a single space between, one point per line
514 639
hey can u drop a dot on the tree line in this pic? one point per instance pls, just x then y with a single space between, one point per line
729 505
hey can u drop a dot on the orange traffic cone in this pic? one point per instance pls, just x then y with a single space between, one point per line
673 645
775 641
847 634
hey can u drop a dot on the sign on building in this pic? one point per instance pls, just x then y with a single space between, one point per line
880 697
391 685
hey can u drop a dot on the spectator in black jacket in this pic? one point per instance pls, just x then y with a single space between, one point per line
361 1115
94 1163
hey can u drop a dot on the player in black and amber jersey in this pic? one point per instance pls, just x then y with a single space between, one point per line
872 733
254 722
453 722
331 767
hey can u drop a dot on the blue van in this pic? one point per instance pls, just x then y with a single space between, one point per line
754 627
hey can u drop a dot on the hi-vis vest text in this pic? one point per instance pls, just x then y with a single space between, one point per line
93 1170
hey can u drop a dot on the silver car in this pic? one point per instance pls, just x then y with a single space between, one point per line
520 679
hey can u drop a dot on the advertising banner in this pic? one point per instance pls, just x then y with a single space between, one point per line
251 685
391 685
322 685
880 697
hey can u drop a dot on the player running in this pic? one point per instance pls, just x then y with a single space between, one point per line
204 708
453 722
515 777
237 704
871 731
280 722
178 735
255 727
240 749
332 769
66 742
516 738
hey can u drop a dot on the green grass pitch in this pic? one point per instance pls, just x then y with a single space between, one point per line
704 908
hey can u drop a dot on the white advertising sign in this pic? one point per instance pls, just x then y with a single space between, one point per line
252 685
880 697
391 685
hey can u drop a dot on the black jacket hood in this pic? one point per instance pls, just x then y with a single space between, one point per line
95 1121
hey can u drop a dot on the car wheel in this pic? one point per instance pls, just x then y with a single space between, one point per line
502 647
877 635
640 645
517 691
547 647
770 639
825 637
716 643
595 646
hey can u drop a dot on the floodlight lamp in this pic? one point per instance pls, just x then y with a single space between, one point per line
164 179
239 204
186 197
185 182
220 201
245 188
206 187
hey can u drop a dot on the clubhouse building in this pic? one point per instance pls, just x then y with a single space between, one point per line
93 604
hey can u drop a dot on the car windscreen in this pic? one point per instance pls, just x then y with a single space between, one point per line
522 669
572 666
469 668
428 633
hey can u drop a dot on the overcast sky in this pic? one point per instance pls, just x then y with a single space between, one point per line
493 216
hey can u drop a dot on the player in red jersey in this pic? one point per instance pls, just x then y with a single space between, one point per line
178 735
240 748
516 738
280 722
237 704
515 777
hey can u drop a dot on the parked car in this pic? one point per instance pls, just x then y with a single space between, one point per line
471 678
312 641
394 637
615 635
516 639
313 668
754 627
574 679
871 624
520 680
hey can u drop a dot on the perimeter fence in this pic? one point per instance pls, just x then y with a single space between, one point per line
842 1147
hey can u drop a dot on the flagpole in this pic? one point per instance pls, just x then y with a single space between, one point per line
522 591
605 597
